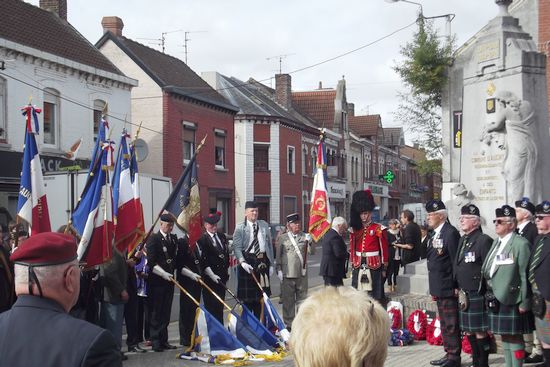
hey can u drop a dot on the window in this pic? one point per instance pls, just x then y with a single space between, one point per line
261 157
51 116
289 203
189 130
219 154
99 106
291 160
304 160
2 108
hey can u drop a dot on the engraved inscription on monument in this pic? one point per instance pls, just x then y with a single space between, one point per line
488 51
486 171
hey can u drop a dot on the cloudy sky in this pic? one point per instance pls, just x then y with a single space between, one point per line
236 37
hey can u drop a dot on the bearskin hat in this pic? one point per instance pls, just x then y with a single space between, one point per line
362 201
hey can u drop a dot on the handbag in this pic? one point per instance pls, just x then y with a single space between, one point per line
491 302
463 301
538 305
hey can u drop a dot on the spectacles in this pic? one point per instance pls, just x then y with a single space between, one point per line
501 221
541 217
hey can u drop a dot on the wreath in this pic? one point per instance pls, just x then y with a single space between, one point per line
433 332
395 317
416 324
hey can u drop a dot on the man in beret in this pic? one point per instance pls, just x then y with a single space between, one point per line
507 288
292 248
441 253
161 256
538 270
254 251
215 262
473 248
38 331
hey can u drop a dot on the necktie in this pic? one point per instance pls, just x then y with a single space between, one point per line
535 261
255 243
463 246
218 242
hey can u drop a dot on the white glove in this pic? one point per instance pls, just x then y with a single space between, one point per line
162 273
280 275
188 273
208 271
308 237
247 267
271 270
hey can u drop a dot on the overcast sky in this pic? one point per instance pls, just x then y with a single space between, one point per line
235 37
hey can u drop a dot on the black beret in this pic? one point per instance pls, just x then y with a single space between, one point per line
292 218
434 205
213 216
543 208
167 217
469 209
505 211
526 204
250 204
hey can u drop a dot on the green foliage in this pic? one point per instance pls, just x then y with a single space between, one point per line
428 166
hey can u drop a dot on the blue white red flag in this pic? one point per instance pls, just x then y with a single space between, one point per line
127 209
272 320
242 318
184 203
319 212
32 205
92 218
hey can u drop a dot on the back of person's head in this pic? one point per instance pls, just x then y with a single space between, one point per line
340 327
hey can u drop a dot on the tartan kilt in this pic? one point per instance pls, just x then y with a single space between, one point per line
543 325
508 321
247 289
475 317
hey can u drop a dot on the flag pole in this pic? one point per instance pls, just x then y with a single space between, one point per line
256 280
231 293
185 291
214 294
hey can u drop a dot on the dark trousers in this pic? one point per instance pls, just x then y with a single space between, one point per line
393 271
143 317
161 304
447 307
255 308
211 303
333 281
188 308
131 319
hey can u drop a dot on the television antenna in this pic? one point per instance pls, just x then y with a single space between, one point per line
186 39
280 57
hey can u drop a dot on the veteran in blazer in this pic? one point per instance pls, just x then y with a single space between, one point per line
253 249
335 254
215 262
441 253
292 250
507 288
525 212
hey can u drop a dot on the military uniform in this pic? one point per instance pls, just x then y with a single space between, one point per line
291 261
527 230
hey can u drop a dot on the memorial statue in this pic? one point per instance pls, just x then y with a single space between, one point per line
515 118
462 196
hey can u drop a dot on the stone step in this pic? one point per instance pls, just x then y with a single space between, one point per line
417 267
413 283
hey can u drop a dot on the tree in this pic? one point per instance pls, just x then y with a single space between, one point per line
424 72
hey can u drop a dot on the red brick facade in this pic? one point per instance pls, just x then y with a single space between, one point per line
291 183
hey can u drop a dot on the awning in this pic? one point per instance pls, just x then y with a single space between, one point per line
395 194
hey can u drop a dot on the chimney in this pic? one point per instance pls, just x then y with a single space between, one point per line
283 90
351 109
320 85
113 25
58 7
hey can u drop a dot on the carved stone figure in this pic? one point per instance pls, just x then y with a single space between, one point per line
462 196
515 118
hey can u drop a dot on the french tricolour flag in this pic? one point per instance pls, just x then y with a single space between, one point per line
32 205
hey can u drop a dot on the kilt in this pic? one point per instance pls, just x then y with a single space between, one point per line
475 317
247 289
377 283
508 321
543 325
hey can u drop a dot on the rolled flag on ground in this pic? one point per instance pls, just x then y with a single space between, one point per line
32 205
319 213
241 314
272 320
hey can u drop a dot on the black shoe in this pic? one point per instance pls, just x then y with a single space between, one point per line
451 363
158 349
533 358
439 362
136 349
169 346
123 356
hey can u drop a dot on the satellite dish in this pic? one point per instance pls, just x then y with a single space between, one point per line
142 150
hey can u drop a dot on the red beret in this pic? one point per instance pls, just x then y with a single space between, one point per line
48 248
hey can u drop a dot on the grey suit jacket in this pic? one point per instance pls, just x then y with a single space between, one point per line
241 239
288 260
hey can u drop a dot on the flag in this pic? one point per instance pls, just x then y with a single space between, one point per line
272 320
92 218
241 314
32 205
102 135
319 212
184 203
127 210
210 337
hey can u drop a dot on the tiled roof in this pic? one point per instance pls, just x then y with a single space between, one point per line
318 105
415 154
365 126
43 30
169 72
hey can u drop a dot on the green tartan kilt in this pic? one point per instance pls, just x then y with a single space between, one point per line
509 321
475 317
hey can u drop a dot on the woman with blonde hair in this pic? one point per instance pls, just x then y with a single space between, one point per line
340 327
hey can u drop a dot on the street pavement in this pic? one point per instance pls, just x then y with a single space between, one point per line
418 354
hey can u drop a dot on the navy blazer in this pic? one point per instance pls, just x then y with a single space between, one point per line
38 332
335 254
440 262
530 233
543 268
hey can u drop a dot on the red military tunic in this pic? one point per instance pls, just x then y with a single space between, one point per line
370 243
